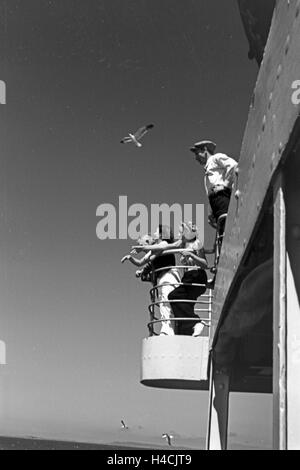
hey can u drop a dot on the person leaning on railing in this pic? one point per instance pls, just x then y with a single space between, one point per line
194 261
165 279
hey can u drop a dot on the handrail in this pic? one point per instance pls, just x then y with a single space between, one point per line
187 301
167 252
177 266
186 267
205 321
158 286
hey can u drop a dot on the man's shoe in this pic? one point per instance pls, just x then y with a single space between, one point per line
198 328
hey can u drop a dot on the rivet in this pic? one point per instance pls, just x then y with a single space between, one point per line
270 100
264 123
280 147
237 194
272 160
287 44
297 10
253 161
279 71
244 242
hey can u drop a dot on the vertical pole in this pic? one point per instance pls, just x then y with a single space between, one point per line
210 400
153 296
279 321
210 371
2 363
217 427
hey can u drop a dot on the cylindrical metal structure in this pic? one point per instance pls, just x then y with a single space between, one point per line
178 362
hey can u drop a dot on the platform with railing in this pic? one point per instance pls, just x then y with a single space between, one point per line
180 361
176 361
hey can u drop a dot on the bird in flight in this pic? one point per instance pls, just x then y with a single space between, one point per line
168 437
123 424
136 137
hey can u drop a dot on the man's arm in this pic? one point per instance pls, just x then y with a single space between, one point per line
136 261
198 256
158 247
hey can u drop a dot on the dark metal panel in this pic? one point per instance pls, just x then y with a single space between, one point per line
291 172
256 17
293 359
271 120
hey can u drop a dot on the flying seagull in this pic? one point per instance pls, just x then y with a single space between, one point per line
123 424
168 438
137 135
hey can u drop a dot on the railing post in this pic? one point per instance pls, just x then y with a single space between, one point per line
279 321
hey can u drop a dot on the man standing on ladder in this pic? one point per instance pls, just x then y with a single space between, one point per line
218 180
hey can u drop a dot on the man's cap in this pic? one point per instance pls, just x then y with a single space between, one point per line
211 146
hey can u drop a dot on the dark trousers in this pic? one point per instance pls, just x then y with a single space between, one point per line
186 309
219 202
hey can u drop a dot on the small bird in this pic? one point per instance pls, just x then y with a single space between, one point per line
168 437
123 424
137 135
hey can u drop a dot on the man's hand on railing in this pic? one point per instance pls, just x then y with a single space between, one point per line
211 220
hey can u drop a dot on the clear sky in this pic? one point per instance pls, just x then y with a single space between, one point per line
79 76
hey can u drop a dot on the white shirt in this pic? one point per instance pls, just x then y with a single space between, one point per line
219 170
